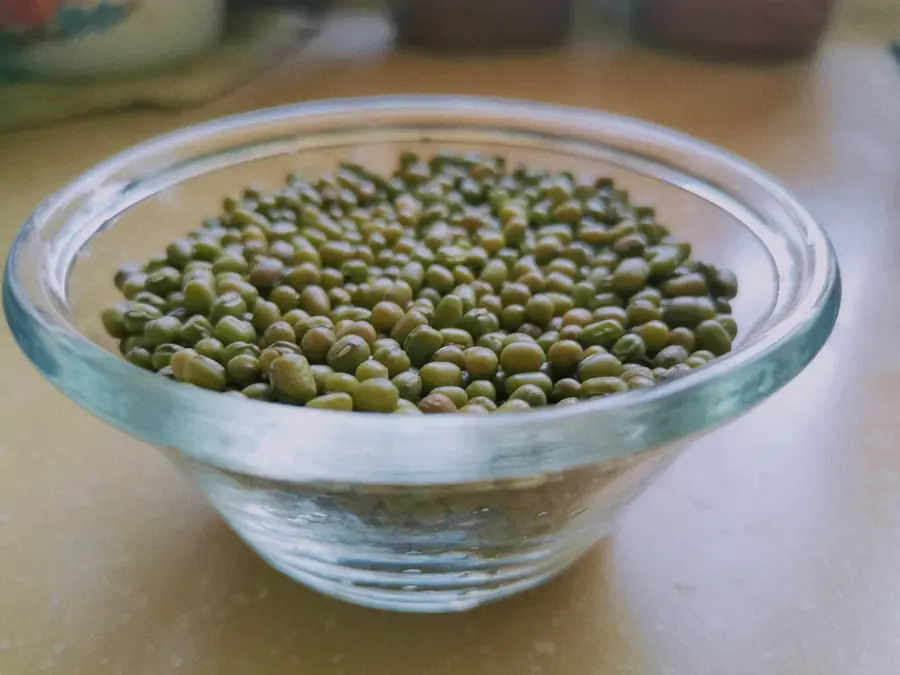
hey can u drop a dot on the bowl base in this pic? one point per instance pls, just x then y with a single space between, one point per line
437 548
447 583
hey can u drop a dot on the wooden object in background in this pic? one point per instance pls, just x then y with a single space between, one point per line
481 24
734 28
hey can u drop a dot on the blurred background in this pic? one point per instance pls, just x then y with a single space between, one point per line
64 58
768 551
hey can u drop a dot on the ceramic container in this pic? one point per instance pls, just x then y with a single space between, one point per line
67 39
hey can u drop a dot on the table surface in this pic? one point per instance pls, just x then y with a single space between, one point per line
767 548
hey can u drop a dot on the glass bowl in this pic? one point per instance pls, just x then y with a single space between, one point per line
417 513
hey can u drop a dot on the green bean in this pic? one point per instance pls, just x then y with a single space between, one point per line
421 344
136 315
244 369
440 374
204 372
540 380
347 353
437 403
317 343
339 401
687 311
340 383
514 405
522 357
455 394
477 287
292 379
375 395
140 357
371 370
229 304
230 329
602 386
603 333
714 337
162 355
629 348
670 356
599 365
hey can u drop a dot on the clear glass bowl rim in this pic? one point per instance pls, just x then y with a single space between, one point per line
259 439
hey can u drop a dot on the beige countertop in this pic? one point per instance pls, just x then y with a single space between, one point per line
769 547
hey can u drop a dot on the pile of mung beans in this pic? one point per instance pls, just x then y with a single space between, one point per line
454 284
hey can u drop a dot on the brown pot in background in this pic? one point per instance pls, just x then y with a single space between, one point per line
313 7
481 24
734 28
